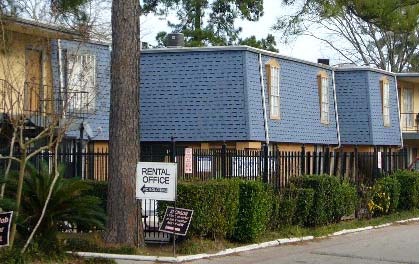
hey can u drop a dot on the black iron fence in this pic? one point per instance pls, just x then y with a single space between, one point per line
278 167
272 166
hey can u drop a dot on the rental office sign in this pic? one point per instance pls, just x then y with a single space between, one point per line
156 180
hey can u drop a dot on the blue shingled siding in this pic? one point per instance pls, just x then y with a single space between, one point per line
353 107
383 135
98 119
360 109
299 103
193 96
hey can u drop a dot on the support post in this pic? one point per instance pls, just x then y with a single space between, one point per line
357 180
80 153
224 160
326 165
265 163
173 150
375 164
303 160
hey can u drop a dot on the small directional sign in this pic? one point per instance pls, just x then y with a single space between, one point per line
5 223
156 180
176 221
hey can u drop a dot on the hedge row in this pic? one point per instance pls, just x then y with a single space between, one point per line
332 199
242 210
399 191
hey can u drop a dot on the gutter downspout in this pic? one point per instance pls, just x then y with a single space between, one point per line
336 108
398 108
265 117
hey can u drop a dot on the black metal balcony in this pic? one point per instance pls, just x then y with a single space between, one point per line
409 122
41 103
49 101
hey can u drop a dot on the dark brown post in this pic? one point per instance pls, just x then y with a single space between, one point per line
303 160
224 160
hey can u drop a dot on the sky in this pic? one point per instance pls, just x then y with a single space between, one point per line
304 47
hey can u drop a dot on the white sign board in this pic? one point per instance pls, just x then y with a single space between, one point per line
188 160
204 164
379 160
156 180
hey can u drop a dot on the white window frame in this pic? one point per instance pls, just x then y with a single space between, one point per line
385 88
324 98
81 81
273 73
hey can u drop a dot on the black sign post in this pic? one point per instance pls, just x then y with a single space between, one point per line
176 221
5 223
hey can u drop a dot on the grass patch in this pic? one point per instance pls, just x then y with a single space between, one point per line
93 242
297 231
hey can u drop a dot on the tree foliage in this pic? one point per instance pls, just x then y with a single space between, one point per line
267 43
207 22
84 16
382 33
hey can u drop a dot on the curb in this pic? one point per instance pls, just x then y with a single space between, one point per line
228 251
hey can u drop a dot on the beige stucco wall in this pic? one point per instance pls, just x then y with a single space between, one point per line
12 61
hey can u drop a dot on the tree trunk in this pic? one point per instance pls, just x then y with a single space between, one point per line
124 135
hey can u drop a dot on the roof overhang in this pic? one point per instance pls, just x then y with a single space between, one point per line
411 77
37 29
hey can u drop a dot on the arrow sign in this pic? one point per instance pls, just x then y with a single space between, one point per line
145 189
156 180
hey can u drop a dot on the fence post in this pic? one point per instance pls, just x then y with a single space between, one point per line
390 160
355 168
265 162
303 159
224 160
342 162
326 160
80 153
173 152
375 164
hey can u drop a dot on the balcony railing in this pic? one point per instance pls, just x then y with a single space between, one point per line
45 100
410 122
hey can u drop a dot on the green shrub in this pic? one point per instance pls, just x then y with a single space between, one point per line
215 205
332 198
324 187
98 189
286 210
385 196
304 202
277 212
409 191
345 201
255 209
296 204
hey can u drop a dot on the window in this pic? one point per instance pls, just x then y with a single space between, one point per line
323 82
272 70
407 111
385 92
81 81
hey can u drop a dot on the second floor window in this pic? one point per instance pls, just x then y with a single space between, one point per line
323 82
273 73
385 92
81 81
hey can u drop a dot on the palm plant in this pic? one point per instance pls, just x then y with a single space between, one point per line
68 204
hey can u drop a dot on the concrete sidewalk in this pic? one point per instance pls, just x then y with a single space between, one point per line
394 244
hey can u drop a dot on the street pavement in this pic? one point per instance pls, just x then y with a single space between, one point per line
394 244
